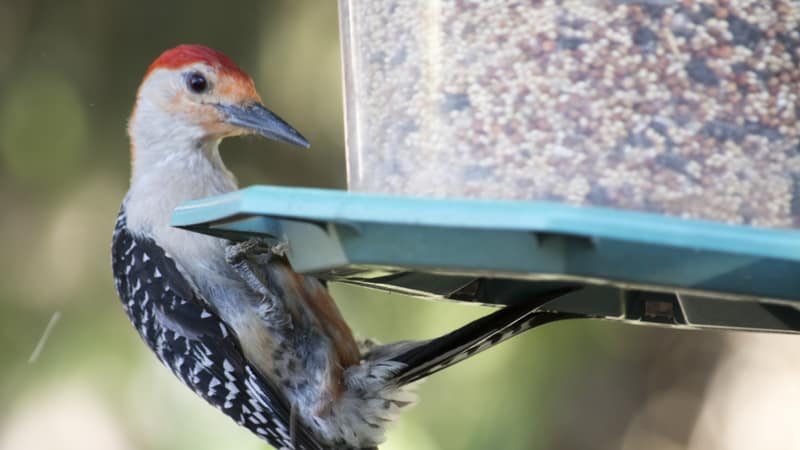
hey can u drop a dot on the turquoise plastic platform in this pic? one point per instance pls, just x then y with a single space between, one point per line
623 265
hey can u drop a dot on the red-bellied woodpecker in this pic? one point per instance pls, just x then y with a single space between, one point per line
234 322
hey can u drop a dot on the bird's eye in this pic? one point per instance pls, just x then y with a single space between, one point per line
196 82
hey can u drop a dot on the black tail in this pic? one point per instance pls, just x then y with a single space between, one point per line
427 357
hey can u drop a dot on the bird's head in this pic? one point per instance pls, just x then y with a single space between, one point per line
195 95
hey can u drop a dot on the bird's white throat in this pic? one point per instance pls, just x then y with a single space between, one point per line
165 175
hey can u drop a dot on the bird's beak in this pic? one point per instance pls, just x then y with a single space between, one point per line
258 118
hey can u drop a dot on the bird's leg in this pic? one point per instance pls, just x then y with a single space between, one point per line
249 270
250 259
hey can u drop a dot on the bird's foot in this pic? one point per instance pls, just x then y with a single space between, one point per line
280 249
255 248
252 260
236 252
248 259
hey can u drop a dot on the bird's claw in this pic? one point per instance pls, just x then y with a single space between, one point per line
247 258
236 252
255 248
251 260
280 249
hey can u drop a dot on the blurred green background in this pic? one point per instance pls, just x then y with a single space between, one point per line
69 73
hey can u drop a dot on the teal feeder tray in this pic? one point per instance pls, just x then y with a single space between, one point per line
630 266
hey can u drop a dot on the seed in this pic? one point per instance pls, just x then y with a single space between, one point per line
683 108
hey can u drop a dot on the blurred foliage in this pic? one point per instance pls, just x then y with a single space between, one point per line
68 76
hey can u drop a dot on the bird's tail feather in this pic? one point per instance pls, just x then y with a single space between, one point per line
424 358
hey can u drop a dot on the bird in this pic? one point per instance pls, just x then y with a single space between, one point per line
233 321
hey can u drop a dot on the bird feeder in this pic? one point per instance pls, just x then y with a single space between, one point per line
644 154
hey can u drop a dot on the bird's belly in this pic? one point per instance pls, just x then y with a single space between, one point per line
299 362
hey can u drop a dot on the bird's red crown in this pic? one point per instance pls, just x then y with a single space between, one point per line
186 54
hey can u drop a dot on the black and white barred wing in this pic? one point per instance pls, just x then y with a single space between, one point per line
190 339
421 359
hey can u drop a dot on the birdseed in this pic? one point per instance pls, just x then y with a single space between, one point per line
682 107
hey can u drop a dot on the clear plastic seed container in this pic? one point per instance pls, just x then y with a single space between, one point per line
681 107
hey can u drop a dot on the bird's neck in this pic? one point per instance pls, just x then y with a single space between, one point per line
167 173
